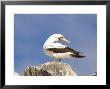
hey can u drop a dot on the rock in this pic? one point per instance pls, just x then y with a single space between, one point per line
50 69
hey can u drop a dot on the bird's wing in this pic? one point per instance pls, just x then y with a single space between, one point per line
63 50
60 48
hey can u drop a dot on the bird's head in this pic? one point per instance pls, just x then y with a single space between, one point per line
59 37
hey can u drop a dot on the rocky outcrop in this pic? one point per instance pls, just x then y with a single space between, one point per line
50 69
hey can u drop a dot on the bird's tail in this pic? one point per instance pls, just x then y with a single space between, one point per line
77 55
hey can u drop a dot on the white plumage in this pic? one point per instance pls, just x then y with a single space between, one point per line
56 50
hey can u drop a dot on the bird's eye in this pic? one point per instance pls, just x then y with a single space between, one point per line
60 38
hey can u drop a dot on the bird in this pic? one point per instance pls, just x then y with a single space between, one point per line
54 49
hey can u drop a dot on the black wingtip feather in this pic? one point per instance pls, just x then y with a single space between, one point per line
77 56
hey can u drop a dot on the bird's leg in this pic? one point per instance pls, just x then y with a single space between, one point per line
59 60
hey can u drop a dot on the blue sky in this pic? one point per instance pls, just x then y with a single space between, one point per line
31 31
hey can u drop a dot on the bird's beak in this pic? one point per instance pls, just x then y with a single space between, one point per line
64 39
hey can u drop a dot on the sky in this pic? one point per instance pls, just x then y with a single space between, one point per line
32 30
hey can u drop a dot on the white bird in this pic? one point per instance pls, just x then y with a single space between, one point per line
56 50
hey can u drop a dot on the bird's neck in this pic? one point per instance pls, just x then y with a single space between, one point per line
50 41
